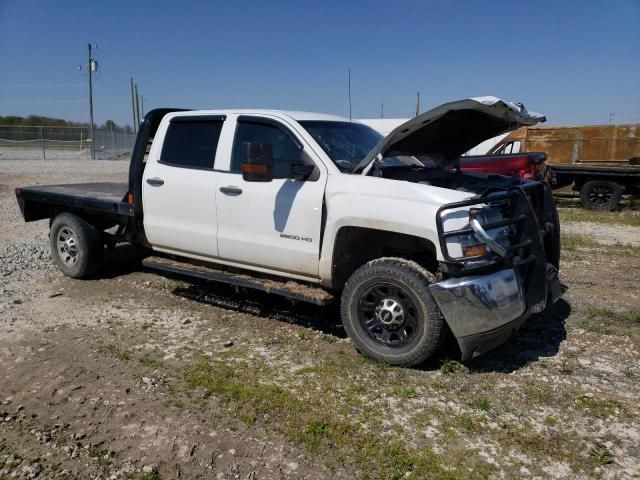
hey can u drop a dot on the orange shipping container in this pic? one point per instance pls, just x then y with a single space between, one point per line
606 145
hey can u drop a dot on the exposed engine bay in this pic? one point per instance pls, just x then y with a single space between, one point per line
451 179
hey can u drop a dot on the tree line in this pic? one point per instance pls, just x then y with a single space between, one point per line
41 121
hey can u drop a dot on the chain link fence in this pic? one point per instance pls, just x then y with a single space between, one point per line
18 142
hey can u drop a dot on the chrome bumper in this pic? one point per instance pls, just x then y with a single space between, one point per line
483 311
480 303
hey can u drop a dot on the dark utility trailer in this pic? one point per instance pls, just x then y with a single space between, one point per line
601 163
601 187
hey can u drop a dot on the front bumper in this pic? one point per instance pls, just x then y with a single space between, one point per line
482 311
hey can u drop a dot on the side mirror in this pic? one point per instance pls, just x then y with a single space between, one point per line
257 162
301 171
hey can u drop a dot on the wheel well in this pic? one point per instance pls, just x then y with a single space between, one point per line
101 222
355 246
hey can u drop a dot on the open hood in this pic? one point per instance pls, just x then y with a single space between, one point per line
451 129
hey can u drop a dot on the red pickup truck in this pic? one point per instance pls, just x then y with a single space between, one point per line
527 165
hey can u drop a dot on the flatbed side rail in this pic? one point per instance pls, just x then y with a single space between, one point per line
36 205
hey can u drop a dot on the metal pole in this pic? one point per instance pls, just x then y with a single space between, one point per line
93 147
137 103
113 143
133 108
349 94
418 104
382 110
142 105
44 155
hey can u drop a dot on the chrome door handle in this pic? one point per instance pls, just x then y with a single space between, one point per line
156 182
231 190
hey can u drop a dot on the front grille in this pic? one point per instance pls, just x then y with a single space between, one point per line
534 236
523 213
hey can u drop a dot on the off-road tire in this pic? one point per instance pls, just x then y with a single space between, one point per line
89 247
591 195
412 279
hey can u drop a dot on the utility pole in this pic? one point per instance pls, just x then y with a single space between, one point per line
382 110
417 104
133 108
137 104
92 67
349 94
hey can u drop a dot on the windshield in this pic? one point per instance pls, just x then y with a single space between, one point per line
345 143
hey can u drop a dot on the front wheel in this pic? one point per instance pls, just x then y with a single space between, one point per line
76 245
389 313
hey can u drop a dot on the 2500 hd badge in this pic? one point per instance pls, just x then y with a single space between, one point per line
296 237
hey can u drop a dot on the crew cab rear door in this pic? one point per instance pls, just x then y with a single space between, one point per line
179 185
272 225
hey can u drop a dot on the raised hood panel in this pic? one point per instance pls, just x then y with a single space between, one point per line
453 128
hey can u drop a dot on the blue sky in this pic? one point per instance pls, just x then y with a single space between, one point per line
575 61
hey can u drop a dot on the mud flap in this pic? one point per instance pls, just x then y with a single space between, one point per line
553 285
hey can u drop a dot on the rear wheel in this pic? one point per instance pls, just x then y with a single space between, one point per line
76 245
389 312
599 195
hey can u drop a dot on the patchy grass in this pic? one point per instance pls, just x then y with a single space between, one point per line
605 321
481 403
601 407
315 422
123 355
152 475
409 392
328 411
574 246
601 455
572 243
621 217
449 366
150 361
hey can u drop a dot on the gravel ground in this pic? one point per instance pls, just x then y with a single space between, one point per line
608 235
132 375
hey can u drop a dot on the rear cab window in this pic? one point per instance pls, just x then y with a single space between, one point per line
191 142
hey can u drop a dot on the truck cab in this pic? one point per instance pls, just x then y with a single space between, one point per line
413 248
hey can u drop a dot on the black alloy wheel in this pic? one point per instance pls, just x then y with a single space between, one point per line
388 315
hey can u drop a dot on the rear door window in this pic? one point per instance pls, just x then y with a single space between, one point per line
191 142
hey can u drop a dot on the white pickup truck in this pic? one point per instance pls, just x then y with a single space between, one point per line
314 207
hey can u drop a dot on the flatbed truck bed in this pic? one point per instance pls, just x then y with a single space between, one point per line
104 198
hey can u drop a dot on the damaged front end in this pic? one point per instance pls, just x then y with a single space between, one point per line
488 294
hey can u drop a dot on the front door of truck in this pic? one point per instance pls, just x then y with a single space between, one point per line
179 187
277 224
